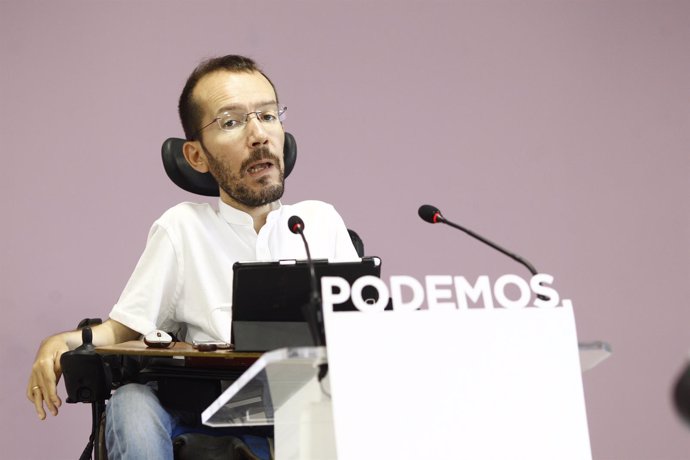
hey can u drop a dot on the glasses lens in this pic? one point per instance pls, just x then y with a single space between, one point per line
229 121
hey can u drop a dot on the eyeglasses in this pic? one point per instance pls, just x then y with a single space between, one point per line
233 122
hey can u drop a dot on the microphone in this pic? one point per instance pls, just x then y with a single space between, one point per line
681 394
296 224
312 310
433 215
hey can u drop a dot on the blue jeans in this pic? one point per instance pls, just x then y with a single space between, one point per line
138 427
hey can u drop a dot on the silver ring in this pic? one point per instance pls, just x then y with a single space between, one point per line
35 388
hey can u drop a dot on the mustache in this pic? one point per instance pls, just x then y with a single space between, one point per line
259 154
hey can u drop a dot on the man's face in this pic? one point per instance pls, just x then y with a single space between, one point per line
247 163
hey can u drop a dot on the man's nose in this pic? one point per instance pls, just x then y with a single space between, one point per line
256 131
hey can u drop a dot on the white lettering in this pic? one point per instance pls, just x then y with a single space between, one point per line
439 291
538 283
435 293
481 289
397 283
329 296
360 303
499 292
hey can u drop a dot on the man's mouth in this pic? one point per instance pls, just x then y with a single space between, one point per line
258 167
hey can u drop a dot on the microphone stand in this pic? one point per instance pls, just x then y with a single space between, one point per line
513 256
432 215
312 310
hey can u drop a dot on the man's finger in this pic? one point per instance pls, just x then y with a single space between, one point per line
37 398
45 380
30 391
54 401
49 397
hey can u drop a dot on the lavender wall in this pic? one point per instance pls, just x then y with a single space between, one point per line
558 128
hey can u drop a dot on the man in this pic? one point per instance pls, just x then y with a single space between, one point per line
232 120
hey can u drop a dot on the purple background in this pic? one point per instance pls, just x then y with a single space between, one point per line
558 128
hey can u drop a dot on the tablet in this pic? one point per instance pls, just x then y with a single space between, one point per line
268 297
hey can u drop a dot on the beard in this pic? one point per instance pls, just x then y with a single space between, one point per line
232 184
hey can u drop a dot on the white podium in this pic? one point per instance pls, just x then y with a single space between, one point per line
477 384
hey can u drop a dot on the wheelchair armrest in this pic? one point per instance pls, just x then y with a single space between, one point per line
88 377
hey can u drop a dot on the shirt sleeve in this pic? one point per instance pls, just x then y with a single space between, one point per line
147 302
344 248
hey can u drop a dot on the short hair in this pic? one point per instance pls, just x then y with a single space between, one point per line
189 109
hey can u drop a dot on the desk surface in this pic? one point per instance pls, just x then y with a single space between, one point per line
181 349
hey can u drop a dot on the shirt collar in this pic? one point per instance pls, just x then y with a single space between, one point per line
234 216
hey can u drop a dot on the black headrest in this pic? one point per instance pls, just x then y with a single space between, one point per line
191 180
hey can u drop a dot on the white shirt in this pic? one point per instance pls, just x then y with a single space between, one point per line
184 277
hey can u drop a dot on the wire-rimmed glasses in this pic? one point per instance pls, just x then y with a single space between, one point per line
234 121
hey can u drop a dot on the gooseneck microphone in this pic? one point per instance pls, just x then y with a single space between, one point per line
432 215
312 310
681 394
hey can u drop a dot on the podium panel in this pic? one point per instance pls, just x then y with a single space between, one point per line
268 385
281 389
476 383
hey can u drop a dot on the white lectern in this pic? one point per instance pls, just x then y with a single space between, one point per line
478 383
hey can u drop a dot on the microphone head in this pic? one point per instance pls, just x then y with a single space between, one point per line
295 224
430 213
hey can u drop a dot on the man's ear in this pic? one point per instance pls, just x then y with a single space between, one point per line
195 156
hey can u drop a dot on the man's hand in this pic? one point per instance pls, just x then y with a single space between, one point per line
45 374
46 370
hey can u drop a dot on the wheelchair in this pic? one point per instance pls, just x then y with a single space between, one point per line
90 377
